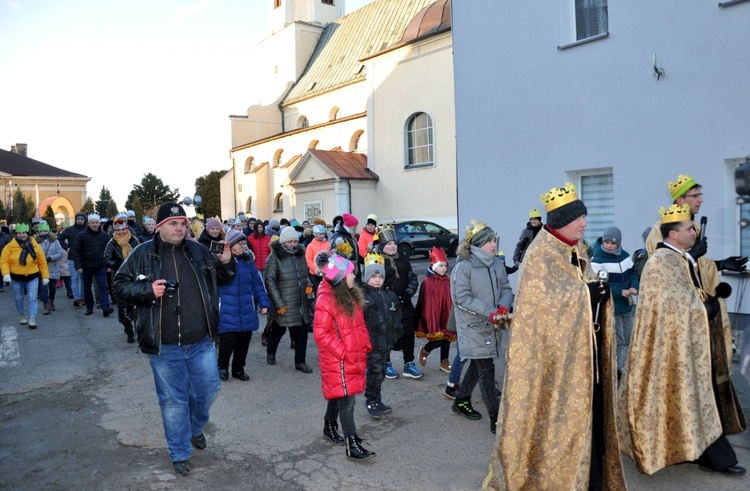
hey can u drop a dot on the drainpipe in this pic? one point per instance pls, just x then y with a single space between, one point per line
281 103
349 183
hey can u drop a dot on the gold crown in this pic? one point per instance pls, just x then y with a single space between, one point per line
680 186
674 213
557 197
476 228
371 259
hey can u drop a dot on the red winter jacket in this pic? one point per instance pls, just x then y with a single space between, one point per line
343 343
261 247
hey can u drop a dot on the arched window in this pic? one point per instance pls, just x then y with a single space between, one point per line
420 141
249 163
278 158
302 122
358 143
249 206
313 145
334 114
278 203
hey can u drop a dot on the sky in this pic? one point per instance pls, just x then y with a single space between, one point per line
116 89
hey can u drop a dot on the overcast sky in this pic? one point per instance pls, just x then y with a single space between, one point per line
118 88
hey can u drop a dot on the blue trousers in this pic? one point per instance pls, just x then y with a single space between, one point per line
187 382
101 282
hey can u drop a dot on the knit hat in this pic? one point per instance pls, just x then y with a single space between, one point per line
129 213
169 211
372 218
235 236
535 213
241 217
213 223
319 221
274 223
288 234
93 216
334 267
479 234
318 230
147 219
563 206
612 234
387 235
43 226
294 223
22 227
350 220
374 264
645 234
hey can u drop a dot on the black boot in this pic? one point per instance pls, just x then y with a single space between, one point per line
463 406
129 331
355 450
330 430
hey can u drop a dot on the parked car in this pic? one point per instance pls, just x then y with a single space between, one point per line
419 237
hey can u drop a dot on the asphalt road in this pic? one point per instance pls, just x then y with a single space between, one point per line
78 411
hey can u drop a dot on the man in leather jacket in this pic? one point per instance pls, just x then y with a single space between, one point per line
173 284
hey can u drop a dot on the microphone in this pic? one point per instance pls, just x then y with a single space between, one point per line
704 222
603 277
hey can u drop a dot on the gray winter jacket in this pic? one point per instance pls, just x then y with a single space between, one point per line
53 251
479 284
286 278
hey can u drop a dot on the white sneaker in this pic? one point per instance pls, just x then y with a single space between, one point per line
23 319
32 322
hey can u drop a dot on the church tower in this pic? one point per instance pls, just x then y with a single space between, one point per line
319 12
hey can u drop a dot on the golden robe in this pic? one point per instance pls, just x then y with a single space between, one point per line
667 411
545 420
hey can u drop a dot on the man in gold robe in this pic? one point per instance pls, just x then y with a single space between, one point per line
677 400
557 418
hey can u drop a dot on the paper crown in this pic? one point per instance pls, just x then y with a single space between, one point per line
437 255
535 213
680 186
22 227
386 234
557 197
374 259
674 213
94 216
476 228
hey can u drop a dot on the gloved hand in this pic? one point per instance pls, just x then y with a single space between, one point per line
497 316
712 308
6 279
732 263
699 248
600 292
281 311
45 281
308 290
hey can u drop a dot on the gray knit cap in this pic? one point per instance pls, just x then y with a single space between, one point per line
562 216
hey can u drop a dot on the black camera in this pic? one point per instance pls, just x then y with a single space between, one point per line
217 246
171 288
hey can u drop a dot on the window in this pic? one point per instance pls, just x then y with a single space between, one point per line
276 4
302 122
357 144
327 2
597 192
278 203
313 145
333 115
249 206
278 159
420 141
249 163
591 18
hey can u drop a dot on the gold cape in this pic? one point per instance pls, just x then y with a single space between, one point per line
545 420
667 411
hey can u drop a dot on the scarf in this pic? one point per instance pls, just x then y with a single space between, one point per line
124 242
26 248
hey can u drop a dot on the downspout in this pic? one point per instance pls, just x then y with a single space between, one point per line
281 103
349 183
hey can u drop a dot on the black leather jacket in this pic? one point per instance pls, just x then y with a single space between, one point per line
132 285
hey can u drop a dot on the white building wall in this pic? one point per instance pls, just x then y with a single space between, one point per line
530 116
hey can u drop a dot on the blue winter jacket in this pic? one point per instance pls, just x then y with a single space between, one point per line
622 275
237 309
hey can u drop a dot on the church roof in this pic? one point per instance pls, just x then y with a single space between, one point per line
345 165
430 20
14 164
335 62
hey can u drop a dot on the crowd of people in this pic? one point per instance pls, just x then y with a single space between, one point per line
585 374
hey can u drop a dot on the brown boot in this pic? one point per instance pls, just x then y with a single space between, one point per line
46 308
52 305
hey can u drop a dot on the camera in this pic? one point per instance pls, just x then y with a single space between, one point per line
171 288
217 246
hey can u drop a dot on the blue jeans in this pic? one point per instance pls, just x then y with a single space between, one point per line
25 287
187 382
88 276
75 280
455 376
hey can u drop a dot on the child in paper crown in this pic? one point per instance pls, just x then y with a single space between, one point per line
433 310
383 319
343 343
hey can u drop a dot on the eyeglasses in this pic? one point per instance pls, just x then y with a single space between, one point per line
697 195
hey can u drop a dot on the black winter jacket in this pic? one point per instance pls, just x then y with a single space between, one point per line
68 236
401 280
89 249
286 277
527 235
113 253
383 317
132 285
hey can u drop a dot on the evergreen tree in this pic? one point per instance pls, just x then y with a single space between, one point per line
103 202
88 206
138 209
111 209
2 210
208 187
152 192
49 217
23 208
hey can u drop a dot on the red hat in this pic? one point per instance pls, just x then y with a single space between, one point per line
350 220
437 255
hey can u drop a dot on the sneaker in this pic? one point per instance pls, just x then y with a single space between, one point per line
373 410
23 319
464 408
423 354
451 391
32 322
411 371
181 466
383 408
445 366
389 371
